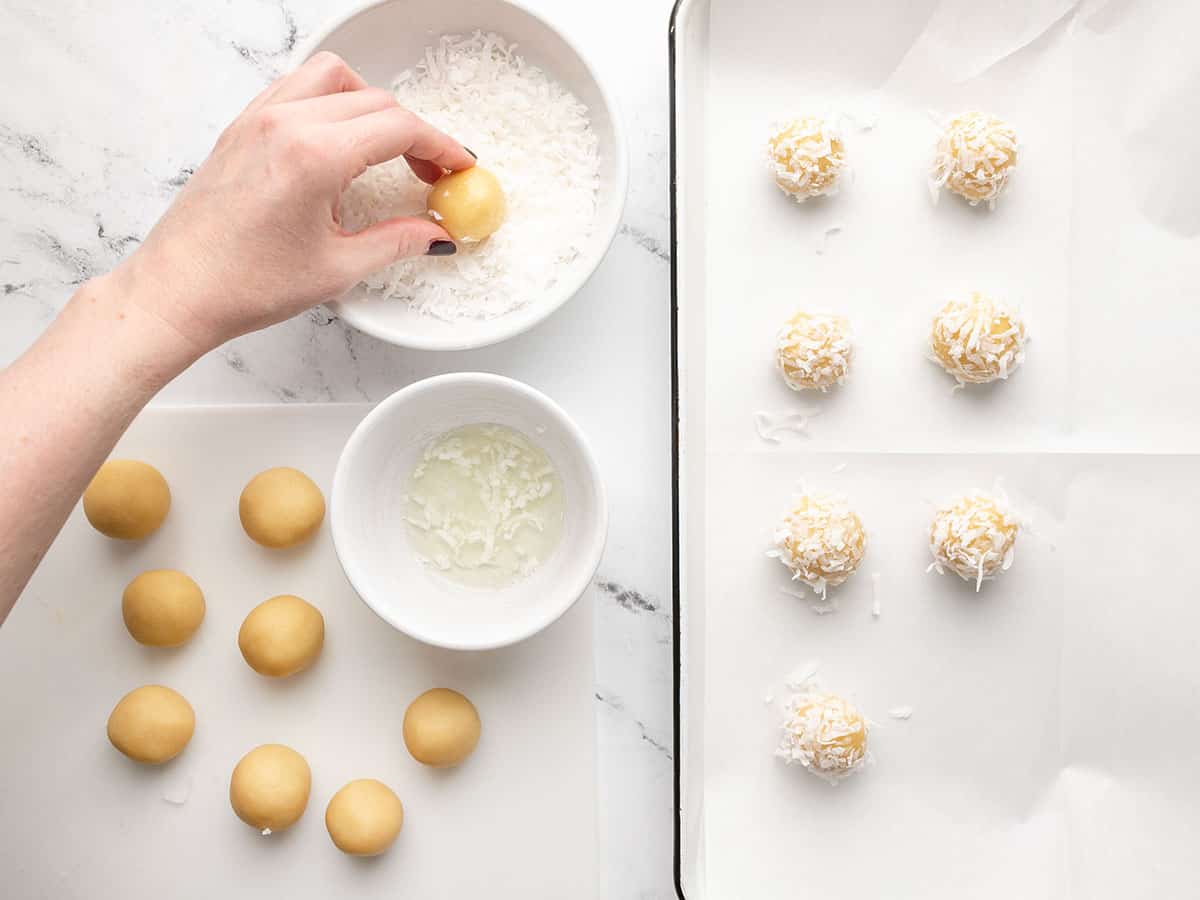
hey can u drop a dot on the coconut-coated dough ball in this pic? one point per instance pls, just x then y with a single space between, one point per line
975 157
162 608
978 339
813 351
469 204
825 734
974 537
364 817
441 728
282 636
127 499
821 540
807 158
151 724
281 507
269 788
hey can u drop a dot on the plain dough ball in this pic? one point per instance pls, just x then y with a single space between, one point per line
469 204
364 817
269 788
282 636
441 728
281 507
162 608
151 724
127 499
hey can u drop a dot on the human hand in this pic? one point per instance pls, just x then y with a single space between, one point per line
254 236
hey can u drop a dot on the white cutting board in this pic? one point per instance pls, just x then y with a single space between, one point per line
77 819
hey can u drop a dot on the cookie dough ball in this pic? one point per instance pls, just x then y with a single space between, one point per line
977 339
813 351
807 158
151 724
127 499
821 540
441 728
269 788
364 817
282 636
975 157
281 507
973 537
824 734
162 608
469 204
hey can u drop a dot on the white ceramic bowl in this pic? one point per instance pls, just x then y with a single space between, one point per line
369 532
383 38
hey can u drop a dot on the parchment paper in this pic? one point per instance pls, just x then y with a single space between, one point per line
78 820
1049 750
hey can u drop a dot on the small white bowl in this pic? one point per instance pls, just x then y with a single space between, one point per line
369 533
381 39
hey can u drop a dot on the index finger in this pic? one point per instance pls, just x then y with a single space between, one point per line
320 74
388 133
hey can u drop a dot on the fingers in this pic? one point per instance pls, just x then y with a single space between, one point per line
428 172
383 243
320 74
340 106
379 136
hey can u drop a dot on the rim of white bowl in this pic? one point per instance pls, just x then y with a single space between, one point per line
572 592
565 291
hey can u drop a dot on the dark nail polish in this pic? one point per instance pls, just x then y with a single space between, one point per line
441 248
474 155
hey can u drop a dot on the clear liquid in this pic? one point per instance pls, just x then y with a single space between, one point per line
484 506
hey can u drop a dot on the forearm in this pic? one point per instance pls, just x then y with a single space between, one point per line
64 404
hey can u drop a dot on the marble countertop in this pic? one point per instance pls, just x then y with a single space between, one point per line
107 109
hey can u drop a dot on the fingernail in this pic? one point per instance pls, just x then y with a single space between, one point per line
474 155
441 248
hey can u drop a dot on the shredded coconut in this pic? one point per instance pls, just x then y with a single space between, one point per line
534 135
802 675
823 240
771 425
484 505
902 713
177 790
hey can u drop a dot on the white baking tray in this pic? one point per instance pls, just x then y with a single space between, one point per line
1048 754
79 820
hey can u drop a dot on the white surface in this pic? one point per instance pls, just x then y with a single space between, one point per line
1033 764
95 138
373 40
516 820
368 509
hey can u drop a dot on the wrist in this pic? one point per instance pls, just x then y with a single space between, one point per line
139 347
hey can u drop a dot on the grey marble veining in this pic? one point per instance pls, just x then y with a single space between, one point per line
108 109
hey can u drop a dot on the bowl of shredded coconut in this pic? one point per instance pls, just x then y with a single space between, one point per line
508 85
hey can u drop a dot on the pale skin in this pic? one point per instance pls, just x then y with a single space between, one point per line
251 240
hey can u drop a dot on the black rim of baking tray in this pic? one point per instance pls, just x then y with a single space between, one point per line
675 543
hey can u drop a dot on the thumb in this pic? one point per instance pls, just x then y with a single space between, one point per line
383 243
